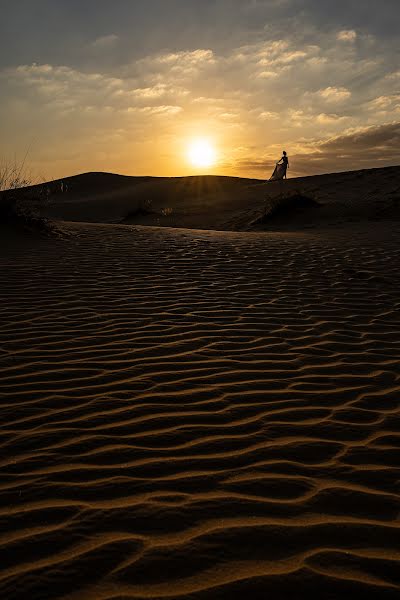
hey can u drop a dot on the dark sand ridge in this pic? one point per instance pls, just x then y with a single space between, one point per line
225 203
200 415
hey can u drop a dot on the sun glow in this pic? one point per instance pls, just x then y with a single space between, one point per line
201 153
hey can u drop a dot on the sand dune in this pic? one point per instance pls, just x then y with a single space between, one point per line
226 203
200 414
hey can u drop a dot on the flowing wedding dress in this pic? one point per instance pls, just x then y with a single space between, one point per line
279 172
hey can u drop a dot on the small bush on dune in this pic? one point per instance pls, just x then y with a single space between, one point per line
15 175
15 211
19 205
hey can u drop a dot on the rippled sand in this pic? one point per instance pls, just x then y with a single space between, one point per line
192 414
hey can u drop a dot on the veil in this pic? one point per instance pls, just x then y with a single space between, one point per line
278 173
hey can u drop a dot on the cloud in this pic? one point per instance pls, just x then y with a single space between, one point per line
267 75
105 42
334 94
157 110
302 119
385 104
370 141
328 119
267 115
179 65
347 35
273 55
60 86
360 148
198 57
393 76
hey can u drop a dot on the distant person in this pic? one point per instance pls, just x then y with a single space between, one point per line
285 162
281 168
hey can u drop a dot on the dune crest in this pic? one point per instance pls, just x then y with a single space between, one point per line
227 203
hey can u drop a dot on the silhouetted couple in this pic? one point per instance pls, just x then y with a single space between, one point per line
281 168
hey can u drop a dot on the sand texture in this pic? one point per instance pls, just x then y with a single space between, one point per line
200 415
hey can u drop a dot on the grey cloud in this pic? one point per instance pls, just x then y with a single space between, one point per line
58 31
105 42
368 143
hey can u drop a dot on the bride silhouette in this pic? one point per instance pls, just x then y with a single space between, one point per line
281 168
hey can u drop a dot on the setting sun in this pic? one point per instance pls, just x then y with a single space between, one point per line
201 153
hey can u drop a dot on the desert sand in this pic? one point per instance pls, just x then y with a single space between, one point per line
224 203
195 413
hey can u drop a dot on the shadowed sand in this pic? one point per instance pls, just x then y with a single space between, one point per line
226 203
199 415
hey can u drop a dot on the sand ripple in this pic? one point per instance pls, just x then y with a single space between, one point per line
199 415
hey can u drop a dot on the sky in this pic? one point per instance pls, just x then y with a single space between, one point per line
125 86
